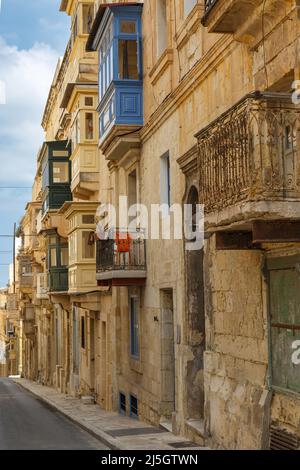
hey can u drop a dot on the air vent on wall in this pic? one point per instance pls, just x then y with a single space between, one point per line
283 440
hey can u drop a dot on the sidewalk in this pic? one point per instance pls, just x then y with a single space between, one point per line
116 431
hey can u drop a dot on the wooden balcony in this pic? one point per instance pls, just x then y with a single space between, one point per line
12 304
249 161
42 287
121 259
25 272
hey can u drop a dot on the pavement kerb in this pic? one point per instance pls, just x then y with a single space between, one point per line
100 436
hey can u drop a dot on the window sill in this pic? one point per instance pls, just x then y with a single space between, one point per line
191 24
161 65
286 392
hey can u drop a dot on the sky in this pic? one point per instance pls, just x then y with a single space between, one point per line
33 35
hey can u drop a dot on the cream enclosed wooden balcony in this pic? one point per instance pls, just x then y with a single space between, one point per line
42 286
85 171
25 272
248 161
81 238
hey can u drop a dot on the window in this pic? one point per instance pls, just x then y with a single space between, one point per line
188 6
58 252
161 27
89 126
87 19
60 172
134 327
64 256
77 131
83 332
132 192
128 60
88 101
53 258
106 60
134 411
284 301
128 27
165 186
122 403
88 219
88 246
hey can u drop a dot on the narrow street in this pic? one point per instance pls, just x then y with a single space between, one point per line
27 423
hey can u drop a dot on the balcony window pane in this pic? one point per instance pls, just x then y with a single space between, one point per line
88 101
60 172
188 6
53 258
128 27
64 256
128 60
89 126
88 247
87 19
88 219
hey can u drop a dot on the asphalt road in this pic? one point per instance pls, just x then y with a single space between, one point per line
27 423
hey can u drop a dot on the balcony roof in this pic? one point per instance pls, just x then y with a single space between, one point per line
70 88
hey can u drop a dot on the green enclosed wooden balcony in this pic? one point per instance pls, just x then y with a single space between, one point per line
57 263
56 175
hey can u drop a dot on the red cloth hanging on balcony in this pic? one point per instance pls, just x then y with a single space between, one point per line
123 242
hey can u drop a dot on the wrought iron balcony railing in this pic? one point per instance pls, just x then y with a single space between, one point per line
121 256
209 4
251 152
123 251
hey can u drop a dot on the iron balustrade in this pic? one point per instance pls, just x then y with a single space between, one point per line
123 250
209 4
250 152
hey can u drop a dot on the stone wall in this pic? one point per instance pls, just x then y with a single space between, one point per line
237 349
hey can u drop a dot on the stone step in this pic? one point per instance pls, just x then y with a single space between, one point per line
88 400
196 430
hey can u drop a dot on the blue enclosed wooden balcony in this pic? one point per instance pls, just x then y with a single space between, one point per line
117 36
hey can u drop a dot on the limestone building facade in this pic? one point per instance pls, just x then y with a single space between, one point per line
171 102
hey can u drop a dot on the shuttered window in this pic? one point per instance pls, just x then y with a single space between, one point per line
284 305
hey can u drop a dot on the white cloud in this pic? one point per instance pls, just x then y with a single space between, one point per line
27 75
